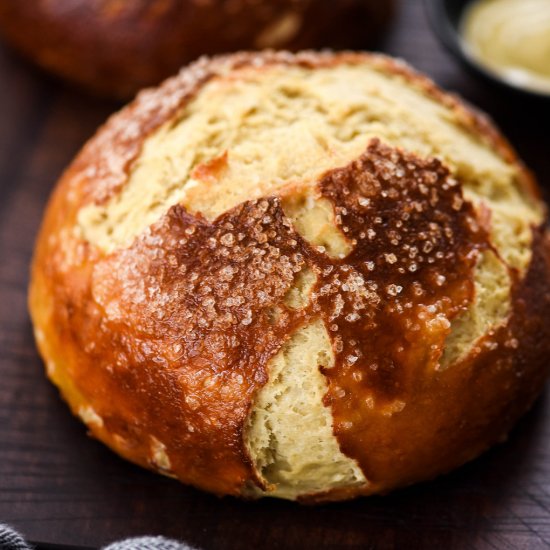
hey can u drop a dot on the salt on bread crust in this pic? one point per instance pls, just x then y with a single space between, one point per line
277 131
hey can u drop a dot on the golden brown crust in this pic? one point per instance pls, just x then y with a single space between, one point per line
116 48
170 338
487 391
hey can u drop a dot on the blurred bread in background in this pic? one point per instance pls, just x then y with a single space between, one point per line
114 48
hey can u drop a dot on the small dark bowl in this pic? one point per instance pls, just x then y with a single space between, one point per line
445 17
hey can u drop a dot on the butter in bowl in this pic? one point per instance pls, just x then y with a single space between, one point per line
506 41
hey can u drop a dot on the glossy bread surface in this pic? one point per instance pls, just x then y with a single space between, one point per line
162 346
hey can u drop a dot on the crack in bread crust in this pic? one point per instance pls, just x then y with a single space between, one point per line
210 158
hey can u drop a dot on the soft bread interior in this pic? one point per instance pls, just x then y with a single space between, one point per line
490 309
313 218
249 134
253 133
289 433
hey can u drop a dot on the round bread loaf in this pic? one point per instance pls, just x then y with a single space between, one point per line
309 276
115 48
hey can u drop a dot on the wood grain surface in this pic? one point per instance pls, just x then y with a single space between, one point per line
60 487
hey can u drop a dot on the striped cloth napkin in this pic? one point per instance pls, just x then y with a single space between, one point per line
12 540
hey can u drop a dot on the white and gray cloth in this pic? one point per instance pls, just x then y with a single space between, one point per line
12 540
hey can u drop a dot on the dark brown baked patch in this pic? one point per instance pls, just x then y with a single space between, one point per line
187 327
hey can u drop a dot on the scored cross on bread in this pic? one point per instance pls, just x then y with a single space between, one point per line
310 276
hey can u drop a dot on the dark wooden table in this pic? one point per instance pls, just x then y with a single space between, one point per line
58 486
